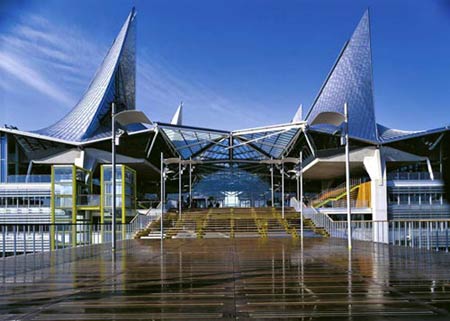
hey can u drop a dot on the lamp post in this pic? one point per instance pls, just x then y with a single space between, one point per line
347 178
190 182
163 178
271 185
124 118
180 171
300 199
282 187
113 176
339 120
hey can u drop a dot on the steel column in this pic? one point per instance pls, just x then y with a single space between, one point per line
113 170
271 185
162 194
282 187
190 183
179 188
301 193
347 178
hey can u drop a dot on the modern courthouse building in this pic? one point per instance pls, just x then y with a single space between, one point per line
60 177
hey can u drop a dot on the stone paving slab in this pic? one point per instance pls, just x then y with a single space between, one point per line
228 279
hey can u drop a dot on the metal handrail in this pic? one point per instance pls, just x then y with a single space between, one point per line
340 188
18 239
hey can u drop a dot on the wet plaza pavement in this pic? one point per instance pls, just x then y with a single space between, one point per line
228 279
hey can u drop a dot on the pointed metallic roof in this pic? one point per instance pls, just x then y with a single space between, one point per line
177 118
351 81
298 117
113 81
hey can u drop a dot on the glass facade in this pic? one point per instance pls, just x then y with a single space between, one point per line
272 143
203 144
417 202
232 186
125 193
63 189
68 182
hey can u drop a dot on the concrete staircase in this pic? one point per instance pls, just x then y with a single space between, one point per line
233 223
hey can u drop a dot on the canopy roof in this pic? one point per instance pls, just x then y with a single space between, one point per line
244 145
332 164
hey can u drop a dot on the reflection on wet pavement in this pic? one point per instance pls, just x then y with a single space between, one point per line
229 279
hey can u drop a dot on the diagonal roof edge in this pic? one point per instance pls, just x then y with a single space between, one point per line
79 121
351 81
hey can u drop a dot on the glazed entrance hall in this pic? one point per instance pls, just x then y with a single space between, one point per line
228 279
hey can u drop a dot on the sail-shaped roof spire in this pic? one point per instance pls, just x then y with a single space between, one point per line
115 80
177 118
298 117
350 80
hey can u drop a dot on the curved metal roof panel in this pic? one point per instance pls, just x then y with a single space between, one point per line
350 81
113 81
388 135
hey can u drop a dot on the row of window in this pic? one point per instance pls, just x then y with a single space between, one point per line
25 201
60 201
416 199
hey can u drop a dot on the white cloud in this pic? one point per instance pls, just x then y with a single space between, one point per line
54 61
32 78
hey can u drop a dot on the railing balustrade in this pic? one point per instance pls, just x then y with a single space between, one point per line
342 203
31 238
428 234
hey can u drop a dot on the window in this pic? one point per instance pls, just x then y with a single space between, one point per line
415 198
435 198
404 199
393 198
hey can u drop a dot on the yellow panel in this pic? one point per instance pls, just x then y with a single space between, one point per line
364 195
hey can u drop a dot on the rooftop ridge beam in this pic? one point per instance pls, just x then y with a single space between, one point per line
263 129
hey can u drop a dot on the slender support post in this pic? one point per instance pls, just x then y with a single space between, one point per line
347 178
190 183
113 176
297 178
179 188
301 194
271 185
162 194
282 187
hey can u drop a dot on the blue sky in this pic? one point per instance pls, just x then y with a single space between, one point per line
234 64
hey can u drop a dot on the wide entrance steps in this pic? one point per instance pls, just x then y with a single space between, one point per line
232 223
